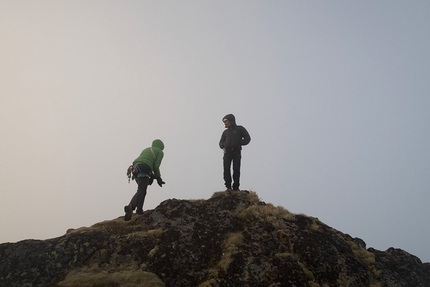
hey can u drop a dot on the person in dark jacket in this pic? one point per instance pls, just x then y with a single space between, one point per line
144 169
232 140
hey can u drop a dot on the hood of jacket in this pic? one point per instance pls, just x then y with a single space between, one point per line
158 143
231 119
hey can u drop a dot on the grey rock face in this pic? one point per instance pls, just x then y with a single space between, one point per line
227 240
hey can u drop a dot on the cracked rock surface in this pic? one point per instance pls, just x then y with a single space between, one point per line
226 240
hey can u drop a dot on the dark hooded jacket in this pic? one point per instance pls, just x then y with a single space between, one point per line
235 136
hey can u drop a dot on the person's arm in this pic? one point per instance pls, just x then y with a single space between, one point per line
222 140
157 164
246 138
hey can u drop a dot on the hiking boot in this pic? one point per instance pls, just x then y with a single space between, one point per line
139 212
229 190
128 209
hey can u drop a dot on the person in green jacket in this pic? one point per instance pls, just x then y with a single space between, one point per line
145 169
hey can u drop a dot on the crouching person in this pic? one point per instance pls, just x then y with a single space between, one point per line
144 170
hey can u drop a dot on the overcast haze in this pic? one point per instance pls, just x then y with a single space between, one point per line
335 96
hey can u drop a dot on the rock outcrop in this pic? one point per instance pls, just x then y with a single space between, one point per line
227 240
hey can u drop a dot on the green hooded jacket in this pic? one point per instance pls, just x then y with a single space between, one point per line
153 160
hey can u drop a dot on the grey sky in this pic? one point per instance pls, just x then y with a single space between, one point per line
335 95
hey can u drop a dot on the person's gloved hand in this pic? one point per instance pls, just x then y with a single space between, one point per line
151 179
160 182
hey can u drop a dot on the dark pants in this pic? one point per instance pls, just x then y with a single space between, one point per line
139 197
229 157
142 184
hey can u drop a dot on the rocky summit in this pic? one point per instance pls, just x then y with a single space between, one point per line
231 239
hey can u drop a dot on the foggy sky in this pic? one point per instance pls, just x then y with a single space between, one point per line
335 96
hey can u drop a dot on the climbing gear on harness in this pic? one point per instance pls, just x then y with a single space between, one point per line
129 173
134 172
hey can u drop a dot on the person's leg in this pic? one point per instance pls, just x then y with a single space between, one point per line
142 185
128 212
227 165
236 169
138 198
